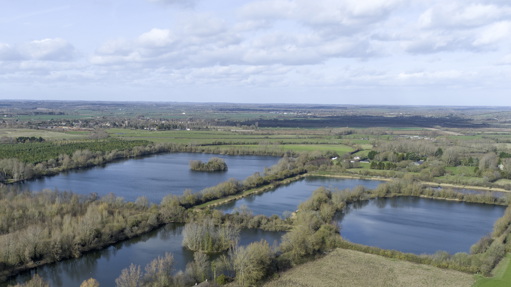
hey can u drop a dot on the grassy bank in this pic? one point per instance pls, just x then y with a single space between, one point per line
502 275
428 183
351 268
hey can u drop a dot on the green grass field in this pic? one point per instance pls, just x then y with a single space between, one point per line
503 182
461 180
339 148
461 170
297 142
352 268
46 134
502 275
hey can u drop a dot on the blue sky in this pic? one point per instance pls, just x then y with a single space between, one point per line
407 52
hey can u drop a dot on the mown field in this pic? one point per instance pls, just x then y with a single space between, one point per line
47 134
351 268
502 275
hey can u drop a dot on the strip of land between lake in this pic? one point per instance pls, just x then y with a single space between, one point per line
377 178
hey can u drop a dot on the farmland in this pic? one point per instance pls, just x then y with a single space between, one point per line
410 148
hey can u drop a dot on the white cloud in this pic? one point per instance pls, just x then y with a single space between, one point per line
8 53
48 50
341 45
506 60
182 3
157 38
434 42
435 75
214 44
344 16
39 50
204 26
115 47
494 33
449 15
177 48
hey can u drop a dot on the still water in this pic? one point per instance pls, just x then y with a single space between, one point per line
418 225
407 224
286 198
106 265
153 177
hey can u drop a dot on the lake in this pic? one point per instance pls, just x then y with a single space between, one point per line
106 265
154 176
406 224
286 198
418 225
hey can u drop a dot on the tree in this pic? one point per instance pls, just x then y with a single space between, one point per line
90 283
171 210
130 277
198 269
452 156
158 273
488 161
439 152
506 167
207 237
214 164
36 281
252 263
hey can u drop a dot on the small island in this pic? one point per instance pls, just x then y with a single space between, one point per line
214 164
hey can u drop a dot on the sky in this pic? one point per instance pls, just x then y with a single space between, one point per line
392 52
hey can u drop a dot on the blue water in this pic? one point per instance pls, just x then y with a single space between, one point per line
107 264
154 177
418 225
285 199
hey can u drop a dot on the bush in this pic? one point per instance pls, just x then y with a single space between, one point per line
214 164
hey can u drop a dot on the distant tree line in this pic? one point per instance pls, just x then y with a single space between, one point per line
10 140
30 160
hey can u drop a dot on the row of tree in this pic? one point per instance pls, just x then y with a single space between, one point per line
30 160
48 226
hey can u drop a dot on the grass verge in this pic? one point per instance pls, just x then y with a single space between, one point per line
502 275
352 268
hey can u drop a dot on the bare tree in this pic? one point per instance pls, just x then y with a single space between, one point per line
158 273
36 281
251 263
91 282
130 277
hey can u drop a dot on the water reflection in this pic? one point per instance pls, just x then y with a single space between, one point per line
418 225
286 198
164 174
106 265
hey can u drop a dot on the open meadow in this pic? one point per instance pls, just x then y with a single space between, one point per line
355 269
501 275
